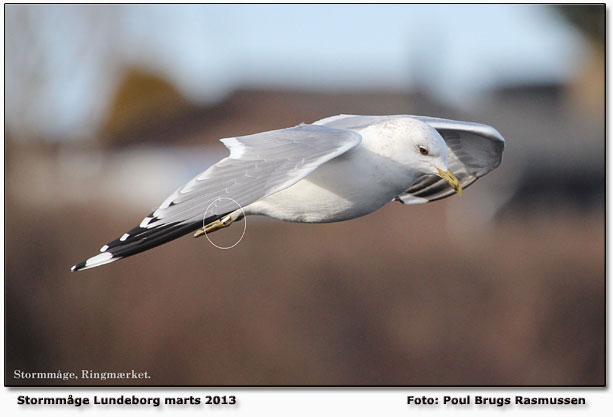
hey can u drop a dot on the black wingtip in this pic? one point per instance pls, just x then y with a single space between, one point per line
78 266
139 242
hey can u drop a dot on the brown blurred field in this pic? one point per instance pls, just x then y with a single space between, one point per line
390 298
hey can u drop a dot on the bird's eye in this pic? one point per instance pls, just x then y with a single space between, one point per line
423 150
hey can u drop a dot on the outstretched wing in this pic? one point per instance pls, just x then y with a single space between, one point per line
474 150
258 166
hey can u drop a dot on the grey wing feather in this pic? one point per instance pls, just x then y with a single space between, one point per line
474 150
258 166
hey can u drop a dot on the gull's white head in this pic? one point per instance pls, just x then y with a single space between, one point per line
417 145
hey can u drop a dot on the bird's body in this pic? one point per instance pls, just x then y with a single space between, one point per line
336 169
335 190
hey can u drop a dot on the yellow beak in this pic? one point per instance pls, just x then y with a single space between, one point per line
452 180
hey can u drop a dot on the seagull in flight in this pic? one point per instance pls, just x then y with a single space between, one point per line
335 169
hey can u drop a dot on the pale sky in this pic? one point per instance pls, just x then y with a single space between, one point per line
454 52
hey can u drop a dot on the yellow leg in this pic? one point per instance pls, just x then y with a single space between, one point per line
218 224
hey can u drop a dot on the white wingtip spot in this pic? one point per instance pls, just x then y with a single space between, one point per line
104 248
101 259
98 260
94 261
124 237
145 221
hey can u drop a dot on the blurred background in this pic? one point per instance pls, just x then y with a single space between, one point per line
109 108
